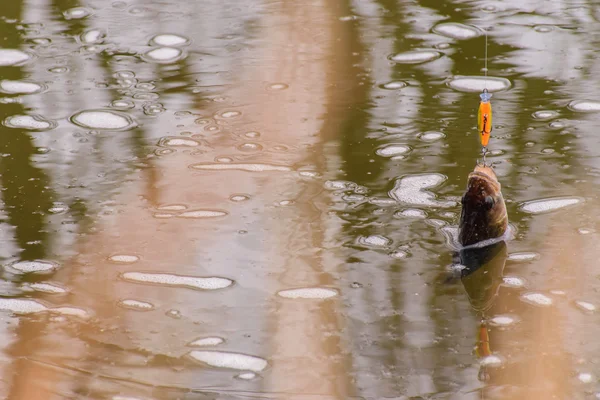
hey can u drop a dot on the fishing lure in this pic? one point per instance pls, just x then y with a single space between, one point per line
484 118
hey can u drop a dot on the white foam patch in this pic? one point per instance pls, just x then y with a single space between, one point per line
375 241
136 305
585 306
170 40
457 31
212 283
47 288
180 142
207 341
222 359
491 361
547 205
308 293
29 122
412 213
585 377
9 57
410 190
77 13
431 136
584 106
93 36
247 376
103 119
37 266
544 115
523 257
502 320
241 167
20 87
513 281
21 306
537 299
472 84
71 312
415 57
394 85
172 207
164 55
202 214
123 258
392 150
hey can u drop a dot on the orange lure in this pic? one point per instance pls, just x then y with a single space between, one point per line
484 118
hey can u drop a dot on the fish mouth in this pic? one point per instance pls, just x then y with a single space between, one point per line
487 175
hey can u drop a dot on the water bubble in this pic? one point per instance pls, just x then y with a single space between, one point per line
122 104
339 185
29 122
222 359
537 299
415 57
10 57
394 85
247 147
191 282
513 281
582 105
47 288
411 213
207 341
169 40
123 258
163 215
163 55
20 87
176 314
585 231
202 214
58 70
523 257
410 189
103 119
547 151
178 142
550 204
247 376
585 377
93 36
456 31
230 114
58 208
224 159
502 320
392 150
471 84
545 115
543 28
308 293
382 201
38 266
375 241
136 305
399 254
431 136
240 167
77 13
585 306
353 197
239 197
277 86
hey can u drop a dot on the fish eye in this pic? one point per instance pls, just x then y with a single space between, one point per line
489 201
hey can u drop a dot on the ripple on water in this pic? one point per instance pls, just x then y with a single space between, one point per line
584 105
20 87
206 341
103 119
537 299
9 57
169 40
38 266
431 136
545 115
523 256
163 55
136 305
223 359
471 84
191 282
123 258
374 241
308 293
549 204
456 31
391 150
240 167
29 122
409 189
415 57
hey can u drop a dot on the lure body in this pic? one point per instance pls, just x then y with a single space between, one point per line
484 117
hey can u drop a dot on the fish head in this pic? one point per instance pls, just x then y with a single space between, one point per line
483 214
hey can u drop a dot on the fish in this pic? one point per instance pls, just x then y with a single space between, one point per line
484 118
483 215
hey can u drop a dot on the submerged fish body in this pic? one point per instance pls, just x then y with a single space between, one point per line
483 215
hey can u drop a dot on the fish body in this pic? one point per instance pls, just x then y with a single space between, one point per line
483 215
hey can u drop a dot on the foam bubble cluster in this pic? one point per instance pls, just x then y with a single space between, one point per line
191 282
410 190
222 359
308 293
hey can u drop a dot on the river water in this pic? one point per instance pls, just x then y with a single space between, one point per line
257 199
